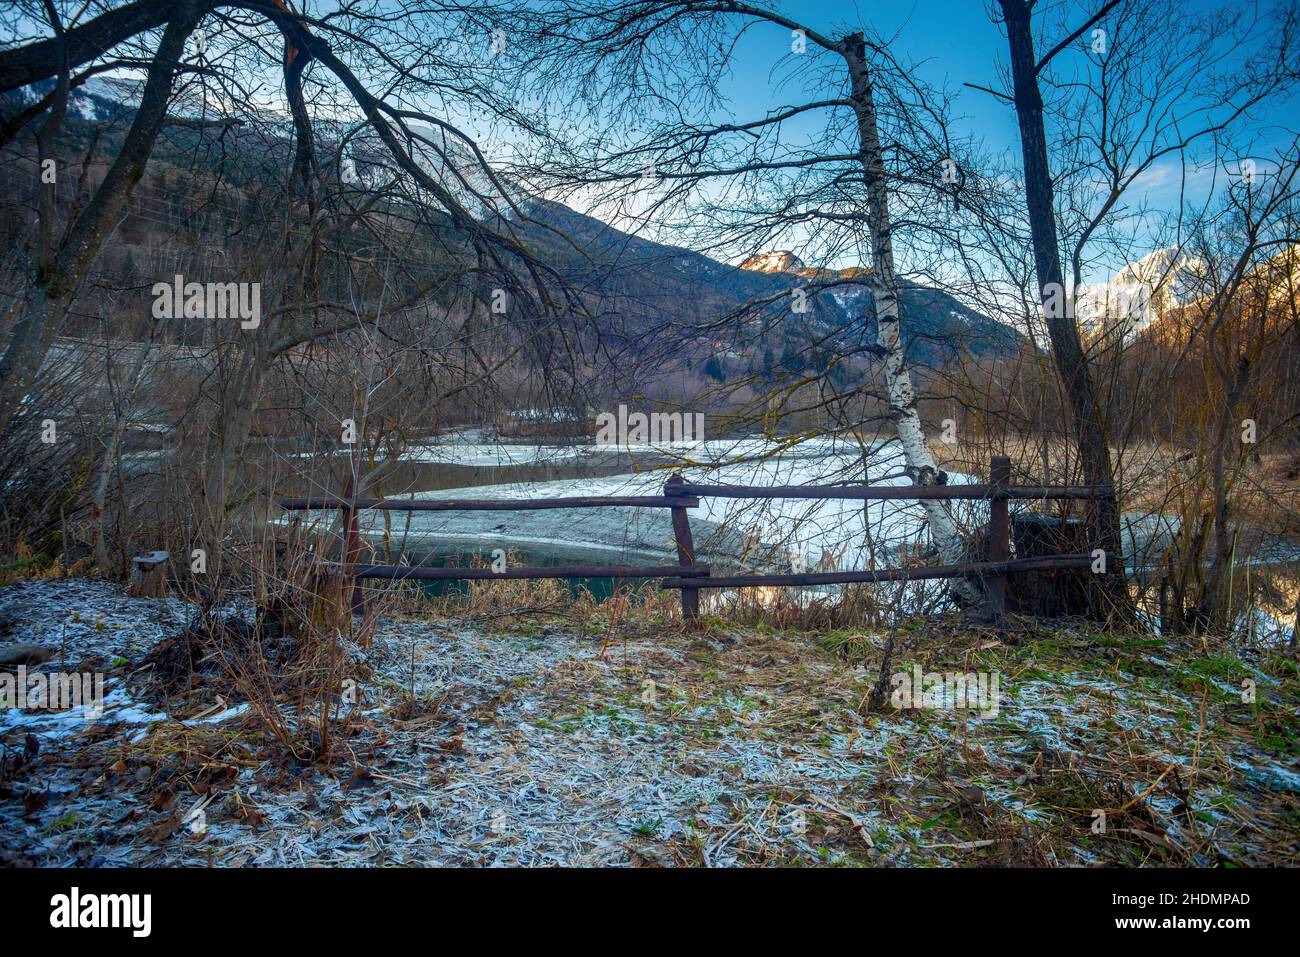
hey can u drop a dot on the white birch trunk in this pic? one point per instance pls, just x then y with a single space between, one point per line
884 289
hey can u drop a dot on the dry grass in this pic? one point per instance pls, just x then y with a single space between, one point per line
1148 472
625 739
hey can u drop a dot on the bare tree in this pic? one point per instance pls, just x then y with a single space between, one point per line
746 182
425 181
1154 91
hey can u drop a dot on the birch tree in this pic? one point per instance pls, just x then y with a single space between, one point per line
835 192
898 379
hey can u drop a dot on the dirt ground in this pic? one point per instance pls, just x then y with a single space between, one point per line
546 741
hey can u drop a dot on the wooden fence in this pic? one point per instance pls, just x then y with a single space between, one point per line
679 496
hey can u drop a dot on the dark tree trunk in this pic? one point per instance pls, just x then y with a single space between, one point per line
1067 349
56 285
27 64
1215 602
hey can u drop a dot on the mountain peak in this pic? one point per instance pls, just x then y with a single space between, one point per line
1141 291
779 260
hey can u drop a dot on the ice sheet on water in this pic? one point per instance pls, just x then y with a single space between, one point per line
833 534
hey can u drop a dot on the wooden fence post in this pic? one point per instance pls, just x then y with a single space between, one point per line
685 548
148 576
999 534
352 549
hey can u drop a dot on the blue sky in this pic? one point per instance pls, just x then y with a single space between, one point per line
953 42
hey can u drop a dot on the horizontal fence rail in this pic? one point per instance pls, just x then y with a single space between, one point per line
679 496
485 504
921 573
889 492
545 571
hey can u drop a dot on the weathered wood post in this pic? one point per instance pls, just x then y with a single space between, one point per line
352 548
148 576
999 534
685 548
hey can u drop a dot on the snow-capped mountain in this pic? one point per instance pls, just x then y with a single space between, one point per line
1141 292
364 162
779 260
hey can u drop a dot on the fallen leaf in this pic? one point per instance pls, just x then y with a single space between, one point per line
160 832
35 801
360 777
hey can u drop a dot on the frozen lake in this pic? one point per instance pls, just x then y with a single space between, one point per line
824 535
730 534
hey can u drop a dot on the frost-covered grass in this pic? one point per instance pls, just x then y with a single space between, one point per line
577 740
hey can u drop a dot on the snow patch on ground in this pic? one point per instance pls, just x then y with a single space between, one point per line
550 746
90 627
